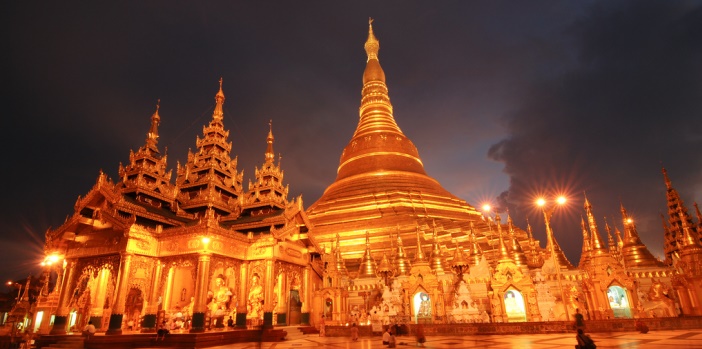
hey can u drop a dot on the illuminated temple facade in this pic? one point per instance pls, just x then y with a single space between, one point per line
385 243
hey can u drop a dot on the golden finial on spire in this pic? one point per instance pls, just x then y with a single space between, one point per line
668 184
152 136
270 154
372 45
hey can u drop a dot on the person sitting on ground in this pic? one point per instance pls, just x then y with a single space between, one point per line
89 330
584 341
386 337
230 322
162 331
640 326
391 340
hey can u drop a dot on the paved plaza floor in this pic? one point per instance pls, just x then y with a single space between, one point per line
680 339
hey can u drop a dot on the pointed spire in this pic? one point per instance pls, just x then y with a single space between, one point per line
437 259
689 238
678 218
698 214
402 262
504 253
372 45
476 253
368 266
152 136
270 154
633 252
516 249
596 245
267 193
218 113
419 256
668 184
385 268
613 247
377 129
585 254
340 264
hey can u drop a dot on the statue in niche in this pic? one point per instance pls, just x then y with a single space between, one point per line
255 300
221 294
424 306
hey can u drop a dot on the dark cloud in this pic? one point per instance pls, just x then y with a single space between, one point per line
628 101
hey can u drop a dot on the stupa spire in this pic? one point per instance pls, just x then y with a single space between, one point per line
145 178
596 240
152 136
585 254
677 213
368 266
377 128
372 45
476 253
633 252
419 256
402 262
437 259
339 260
270 154
504 253
517 252
218 113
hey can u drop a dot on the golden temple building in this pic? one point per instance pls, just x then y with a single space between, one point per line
386 243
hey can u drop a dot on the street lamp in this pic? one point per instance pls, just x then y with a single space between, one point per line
548 212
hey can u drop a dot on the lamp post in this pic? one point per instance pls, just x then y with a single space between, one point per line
548 212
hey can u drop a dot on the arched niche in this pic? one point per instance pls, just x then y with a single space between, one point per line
619 302
421 305
515 307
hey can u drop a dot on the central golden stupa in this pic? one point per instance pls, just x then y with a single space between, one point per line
381 186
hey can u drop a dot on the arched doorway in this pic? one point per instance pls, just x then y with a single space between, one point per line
422 307
514 306
619 301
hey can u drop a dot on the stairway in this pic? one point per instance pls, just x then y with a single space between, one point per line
72 342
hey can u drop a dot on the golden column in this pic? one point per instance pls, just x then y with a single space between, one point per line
99 297
242 295
168 292
149 322
268 295
60 321
305 297
283 295
117 315
200 306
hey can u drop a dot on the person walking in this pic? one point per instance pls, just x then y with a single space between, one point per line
322 330
579 320
354 332
420 335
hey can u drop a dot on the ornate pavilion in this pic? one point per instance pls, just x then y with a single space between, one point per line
385 243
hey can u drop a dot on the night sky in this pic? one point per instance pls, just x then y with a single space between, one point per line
504 100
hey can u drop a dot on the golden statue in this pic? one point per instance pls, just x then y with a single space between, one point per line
255 300
221 295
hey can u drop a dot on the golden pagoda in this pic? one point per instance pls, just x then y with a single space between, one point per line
384 243
381 185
